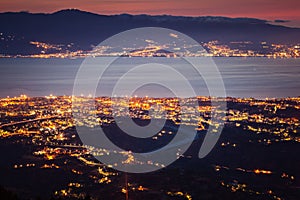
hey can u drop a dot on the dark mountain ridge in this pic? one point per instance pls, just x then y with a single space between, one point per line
84 29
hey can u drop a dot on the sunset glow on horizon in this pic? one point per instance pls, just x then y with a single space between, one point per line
287 10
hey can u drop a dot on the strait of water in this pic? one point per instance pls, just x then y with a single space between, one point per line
243 77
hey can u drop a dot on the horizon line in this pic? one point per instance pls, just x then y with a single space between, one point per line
276 22
128 13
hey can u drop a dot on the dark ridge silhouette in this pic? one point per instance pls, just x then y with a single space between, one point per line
85 29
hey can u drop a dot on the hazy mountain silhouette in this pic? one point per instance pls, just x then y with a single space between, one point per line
84 29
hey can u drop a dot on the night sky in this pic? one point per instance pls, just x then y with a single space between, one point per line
263 9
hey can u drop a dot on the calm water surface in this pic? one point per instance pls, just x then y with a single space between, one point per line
243 77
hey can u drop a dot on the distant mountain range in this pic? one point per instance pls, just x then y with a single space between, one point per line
83 29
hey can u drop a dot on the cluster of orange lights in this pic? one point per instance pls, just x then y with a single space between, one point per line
260 171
